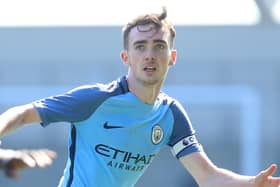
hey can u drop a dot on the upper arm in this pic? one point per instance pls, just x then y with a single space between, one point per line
31 114
199 166
18 116
23 114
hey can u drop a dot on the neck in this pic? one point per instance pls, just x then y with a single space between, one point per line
146 93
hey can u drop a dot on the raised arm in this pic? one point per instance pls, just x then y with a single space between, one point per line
17 117
207 174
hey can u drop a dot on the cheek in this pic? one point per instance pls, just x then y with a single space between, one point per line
135 58
164 54
165 58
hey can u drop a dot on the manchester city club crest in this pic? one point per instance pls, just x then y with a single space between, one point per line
157 134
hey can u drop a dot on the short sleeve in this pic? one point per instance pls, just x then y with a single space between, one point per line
183 140
73 106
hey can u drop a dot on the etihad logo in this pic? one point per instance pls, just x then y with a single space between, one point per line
124 160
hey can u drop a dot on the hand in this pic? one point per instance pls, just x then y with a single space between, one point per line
14 160
265 178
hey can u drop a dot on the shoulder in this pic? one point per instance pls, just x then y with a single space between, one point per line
174 104
96 89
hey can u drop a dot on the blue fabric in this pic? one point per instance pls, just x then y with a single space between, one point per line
114 135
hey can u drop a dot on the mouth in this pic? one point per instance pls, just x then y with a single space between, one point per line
150 69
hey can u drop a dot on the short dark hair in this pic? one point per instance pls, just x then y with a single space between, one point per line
158 20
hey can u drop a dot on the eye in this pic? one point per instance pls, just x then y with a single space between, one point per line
140 47
160 46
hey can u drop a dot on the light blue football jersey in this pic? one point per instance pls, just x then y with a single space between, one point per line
114 136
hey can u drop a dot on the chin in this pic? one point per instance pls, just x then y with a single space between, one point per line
152 81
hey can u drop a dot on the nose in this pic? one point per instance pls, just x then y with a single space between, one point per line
150 55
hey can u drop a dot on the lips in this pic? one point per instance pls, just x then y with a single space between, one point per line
150 68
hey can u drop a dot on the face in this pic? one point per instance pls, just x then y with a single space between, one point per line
148 56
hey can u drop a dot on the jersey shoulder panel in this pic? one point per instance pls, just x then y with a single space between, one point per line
77 104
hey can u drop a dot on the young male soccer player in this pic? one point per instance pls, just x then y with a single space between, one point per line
119 127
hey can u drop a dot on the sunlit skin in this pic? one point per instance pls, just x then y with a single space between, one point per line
12 161
148 57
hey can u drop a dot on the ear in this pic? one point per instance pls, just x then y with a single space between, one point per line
173 57
124 57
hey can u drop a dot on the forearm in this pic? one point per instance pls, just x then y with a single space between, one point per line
14 118
226 178
207 174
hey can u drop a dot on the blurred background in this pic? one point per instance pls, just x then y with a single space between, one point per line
227 76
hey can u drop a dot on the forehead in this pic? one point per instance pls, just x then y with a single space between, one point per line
148 32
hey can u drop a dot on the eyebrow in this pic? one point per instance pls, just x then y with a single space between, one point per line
139 42
160 41
145 41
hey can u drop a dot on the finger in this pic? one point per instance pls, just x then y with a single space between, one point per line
50 153
28 160
270 170
20 159
43 158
